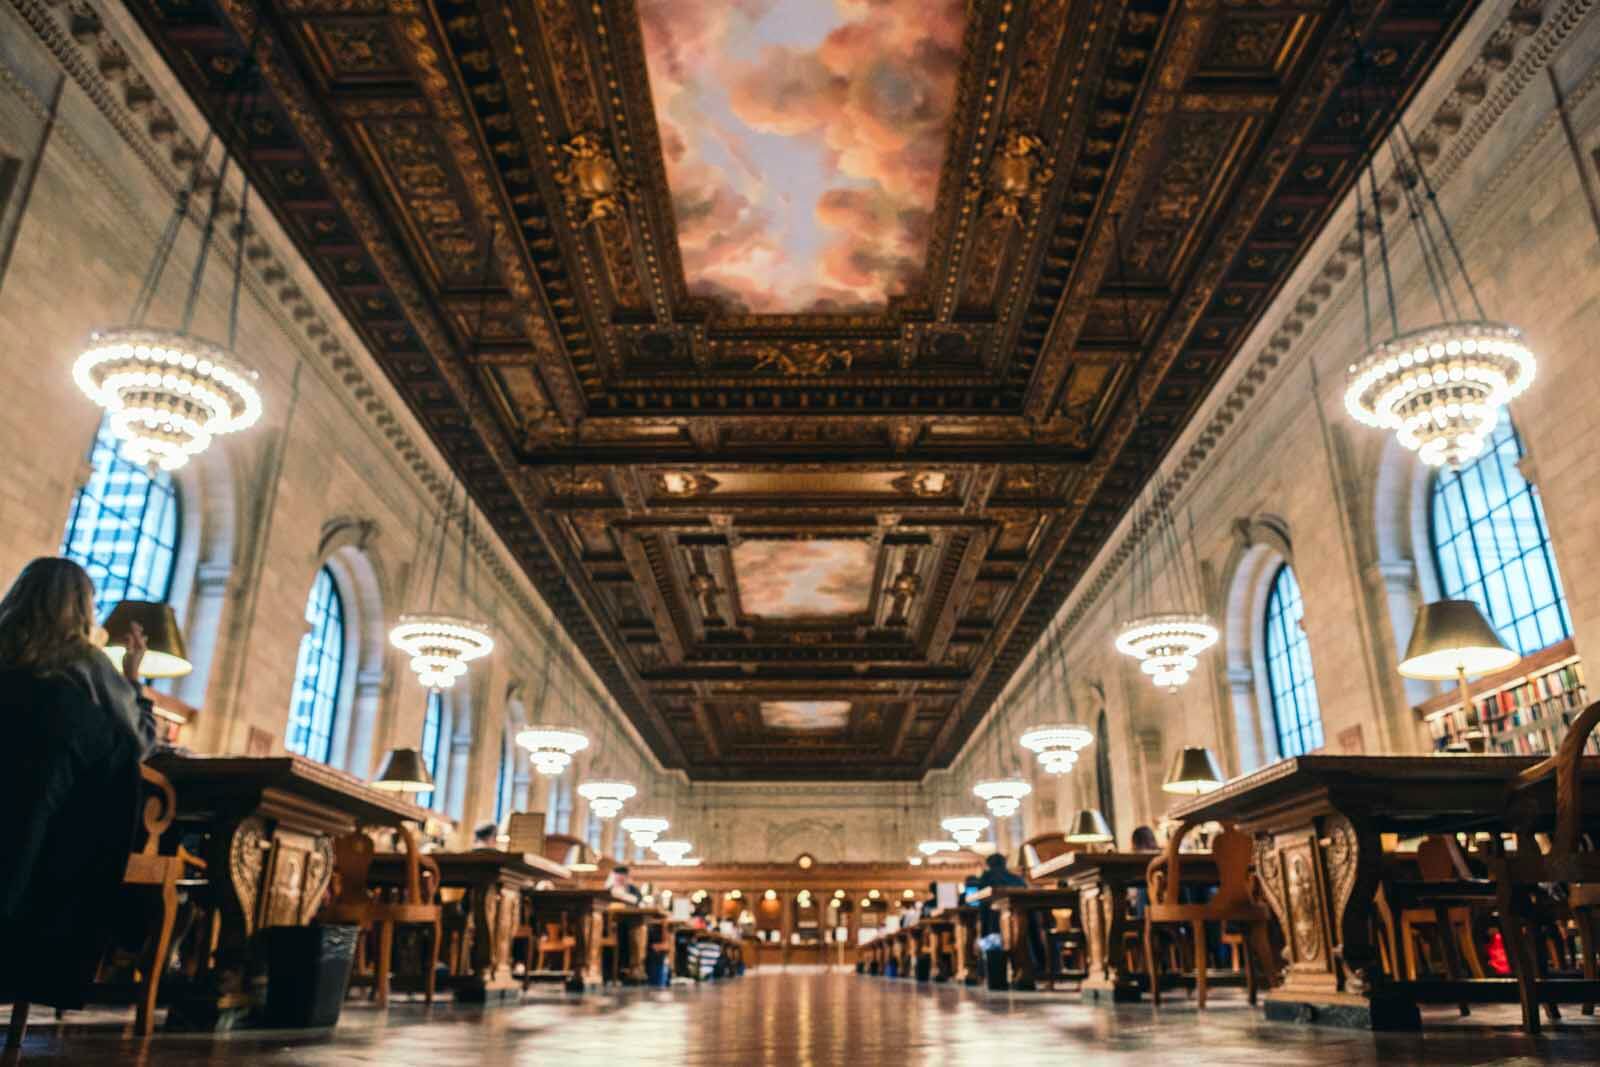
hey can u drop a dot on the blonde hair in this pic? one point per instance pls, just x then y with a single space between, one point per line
47 615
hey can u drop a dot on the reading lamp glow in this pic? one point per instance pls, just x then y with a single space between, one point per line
1452 639
1194 772
1089 827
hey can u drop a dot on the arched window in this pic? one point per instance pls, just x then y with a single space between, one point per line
314 706
1492 546
1102 771
433 747
1295 713
123 528
593 831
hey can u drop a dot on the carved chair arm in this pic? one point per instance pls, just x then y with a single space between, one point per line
1165 872
160 807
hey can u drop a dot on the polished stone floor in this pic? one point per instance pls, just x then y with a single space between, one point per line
816 1019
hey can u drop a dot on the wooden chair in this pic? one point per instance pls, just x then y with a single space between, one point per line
1235 901
1534 886
414 904
1443 903
148 868
557 942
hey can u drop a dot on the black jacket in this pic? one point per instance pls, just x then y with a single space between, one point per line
69 797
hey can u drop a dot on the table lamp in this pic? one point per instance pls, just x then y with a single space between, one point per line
1194 772
1452 639
404 771
165 655
1089 827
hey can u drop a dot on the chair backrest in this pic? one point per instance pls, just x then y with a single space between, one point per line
1439 859
1232 851
352 862
563 849
1565 861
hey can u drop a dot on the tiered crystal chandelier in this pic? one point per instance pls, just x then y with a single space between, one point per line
965 830
168 393
606 797
551 748
1440 387
441 645
1167 644
672 853
1056 744
933 848
644 830
1002 796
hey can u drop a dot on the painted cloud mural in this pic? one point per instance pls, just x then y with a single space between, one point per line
796 579
808 715
803 142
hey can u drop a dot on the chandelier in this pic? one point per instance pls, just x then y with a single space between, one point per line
441 645
1167 646
551 748
965 830
166 392
606 798
672 853
1057 745
1440 388
1003 796
643 830
933 848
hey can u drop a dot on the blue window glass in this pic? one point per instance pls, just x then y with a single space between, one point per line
433 748
592 832
1102 771
314 706
558 812
1296 716
1492 546
123 527
502 781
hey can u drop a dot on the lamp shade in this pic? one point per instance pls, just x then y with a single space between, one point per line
1089 827
404 771
1451 636
1193 772
165 655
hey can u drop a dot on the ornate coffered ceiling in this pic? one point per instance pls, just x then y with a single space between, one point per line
812 541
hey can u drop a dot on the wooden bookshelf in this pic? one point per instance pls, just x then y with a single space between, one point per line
1522 710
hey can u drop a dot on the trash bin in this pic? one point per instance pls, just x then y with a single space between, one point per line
308 971
994 962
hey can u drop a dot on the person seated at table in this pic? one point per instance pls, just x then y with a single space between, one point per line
69 784
486 838
1144 840
931 904
619 884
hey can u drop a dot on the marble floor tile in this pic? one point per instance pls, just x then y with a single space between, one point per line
817 1019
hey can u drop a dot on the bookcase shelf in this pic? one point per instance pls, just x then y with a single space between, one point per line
1522 710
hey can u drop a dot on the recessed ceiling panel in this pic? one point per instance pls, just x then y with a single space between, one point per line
792 579
803 141
811 716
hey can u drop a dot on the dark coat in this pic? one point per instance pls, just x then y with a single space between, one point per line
69 798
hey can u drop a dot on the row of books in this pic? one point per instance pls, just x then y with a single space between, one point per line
1526 717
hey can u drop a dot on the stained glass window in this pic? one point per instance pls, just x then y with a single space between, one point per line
123 527
314 706
1492 546
1296 715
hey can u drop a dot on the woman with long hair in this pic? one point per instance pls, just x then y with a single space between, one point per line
47 628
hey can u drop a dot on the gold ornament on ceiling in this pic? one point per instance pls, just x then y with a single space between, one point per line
593 183
804 360
1018 175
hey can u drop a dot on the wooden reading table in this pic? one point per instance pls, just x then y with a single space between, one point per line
494 883
1318 822
586 910
1015 907
266 827
1102 881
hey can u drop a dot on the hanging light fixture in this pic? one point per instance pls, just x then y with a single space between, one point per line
1439 387
1167 644
1056 744
441 645
167 392
1002 796
605 797
673 852
551 748
643 830
933 848
965 830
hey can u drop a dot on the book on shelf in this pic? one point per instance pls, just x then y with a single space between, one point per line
1527 715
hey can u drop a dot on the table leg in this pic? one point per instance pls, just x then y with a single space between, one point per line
1015 929
493 908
